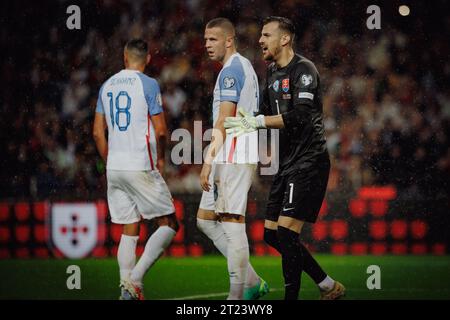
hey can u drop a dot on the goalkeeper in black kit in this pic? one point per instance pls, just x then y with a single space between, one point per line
292 102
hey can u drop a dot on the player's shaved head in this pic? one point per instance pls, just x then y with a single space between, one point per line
220 39
223 24
137 50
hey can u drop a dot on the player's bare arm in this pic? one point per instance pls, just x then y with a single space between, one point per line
99 135
227 109
159 124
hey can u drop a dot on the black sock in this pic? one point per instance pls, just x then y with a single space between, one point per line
311 267
292 262
271 238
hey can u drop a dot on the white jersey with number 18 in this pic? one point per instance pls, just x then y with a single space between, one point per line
128 100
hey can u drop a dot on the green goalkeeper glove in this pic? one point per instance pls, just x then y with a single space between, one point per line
237 126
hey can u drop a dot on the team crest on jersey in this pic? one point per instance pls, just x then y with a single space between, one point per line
307 79
285 85
276 85
228 82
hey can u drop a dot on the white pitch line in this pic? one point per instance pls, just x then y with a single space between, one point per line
213 295
201 296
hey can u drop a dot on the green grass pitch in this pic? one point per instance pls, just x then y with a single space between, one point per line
402 277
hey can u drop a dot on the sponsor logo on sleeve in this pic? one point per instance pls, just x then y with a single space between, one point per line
306 79
228 82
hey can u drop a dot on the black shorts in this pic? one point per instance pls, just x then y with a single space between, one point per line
299 194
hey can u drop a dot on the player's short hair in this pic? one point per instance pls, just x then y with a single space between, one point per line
137 48
284 24
222 23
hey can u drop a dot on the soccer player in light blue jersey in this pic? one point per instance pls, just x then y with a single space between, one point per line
230 162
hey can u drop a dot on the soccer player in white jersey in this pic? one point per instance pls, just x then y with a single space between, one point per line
229 165
129 105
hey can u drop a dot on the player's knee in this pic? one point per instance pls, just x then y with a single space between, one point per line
173 223
206 214
206 226
200 225
170 221
289 241
235 233
131 229
271 238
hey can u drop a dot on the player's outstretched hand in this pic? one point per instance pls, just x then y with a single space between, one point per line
245 123
204 177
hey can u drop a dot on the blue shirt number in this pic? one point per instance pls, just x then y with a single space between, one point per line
119 109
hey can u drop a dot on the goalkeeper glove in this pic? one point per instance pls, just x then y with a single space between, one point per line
237 126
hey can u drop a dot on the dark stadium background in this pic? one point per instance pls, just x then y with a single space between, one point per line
386 106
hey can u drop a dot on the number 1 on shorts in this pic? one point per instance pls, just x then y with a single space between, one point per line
291 191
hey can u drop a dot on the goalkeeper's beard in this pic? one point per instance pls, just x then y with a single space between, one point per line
270 56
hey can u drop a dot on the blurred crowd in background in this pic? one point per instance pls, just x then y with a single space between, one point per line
386 92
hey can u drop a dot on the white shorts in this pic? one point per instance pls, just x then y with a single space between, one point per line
230 185
136 194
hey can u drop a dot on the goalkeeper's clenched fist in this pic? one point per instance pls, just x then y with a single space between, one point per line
246 123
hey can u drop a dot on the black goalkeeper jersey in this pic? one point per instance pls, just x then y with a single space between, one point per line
294 91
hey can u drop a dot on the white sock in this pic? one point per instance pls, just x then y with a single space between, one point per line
154 248
252 278
126 255
214 230
238 258
236 291
326 284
